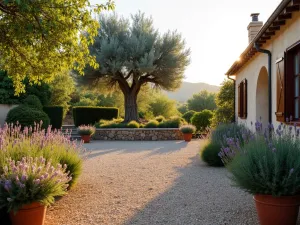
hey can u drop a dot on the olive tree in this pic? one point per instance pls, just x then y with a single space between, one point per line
133 53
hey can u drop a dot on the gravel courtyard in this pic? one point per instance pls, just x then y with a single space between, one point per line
146 183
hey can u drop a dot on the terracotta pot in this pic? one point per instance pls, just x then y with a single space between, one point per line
187 137
31 214
86 138
277 210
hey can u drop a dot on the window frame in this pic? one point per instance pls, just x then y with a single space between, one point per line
290 77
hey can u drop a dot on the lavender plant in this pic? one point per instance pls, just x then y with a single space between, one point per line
32 180
268 162
16 143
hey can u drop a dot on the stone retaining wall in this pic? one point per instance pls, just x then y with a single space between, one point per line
131 134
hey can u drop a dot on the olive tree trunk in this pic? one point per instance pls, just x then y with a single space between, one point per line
131 109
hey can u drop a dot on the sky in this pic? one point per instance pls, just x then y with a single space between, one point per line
214 30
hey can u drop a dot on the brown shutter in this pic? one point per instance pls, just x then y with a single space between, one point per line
245 98
280 73
239 100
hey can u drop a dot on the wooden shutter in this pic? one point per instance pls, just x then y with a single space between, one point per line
239 100
280 80
245 98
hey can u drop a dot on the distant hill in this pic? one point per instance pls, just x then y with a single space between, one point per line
187 90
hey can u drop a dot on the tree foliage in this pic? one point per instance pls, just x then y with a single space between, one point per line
40 39
202 120
7 91
202 100
161 105
61 89
133 53
225 104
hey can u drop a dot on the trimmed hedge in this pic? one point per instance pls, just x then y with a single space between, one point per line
85 115
55 114
27 116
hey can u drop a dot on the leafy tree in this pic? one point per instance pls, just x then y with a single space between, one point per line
202 119
7 91
61 89
41 38
132 54
162 105
183 108
225 104
202 100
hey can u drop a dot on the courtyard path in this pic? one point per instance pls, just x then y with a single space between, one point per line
147 183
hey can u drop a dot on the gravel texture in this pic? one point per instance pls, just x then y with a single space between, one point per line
147 183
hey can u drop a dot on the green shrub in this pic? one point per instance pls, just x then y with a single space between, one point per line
152 124
26 116
32 101
133 124
115 123
210 155
188 115
173 122
202 120
55 114
142 126
160 119
90 115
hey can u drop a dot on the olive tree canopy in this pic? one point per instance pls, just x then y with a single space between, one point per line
132 53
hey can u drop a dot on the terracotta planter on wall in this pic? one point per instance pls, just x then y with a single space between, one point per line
86 138
32 214
277 210
187 137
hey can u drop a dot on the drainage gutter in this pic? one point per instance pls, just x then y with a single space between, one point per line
265 51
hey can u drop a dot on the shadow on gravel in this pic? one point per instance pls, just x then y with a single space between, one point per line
201 195
154 147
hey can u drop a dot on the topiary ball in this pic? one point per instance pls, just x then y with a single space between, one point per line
34 102
27 116
209 154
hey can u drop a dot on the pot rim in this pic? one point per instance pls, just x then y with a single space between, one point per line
287 201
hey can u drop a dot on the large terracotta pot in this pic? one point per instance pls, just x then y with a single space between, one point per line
32 214
187 137
86 138
277 210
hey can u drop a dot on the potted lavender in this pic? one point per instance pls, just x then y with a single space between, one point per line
187 131
28 186
267 165
86 131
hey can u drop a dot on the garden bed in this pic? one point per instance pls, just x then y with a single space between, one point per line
132 134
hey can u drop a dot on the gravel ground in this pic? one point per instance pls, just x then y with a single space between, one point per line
147 183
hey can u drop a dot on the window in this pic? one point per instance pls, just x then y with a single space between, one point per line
292 94
242 99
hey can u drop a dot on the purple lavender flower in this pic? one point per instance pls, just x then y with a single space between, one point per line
291 171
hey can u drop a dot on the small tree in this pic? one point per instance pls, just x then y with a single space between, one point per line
202 119
202 100
134 54
188 115
225 104
161 105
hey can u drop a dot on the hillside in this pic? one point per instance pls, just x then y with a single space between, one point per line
188 89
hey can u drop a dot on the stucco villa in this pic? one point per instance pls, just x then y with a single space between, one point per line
267 75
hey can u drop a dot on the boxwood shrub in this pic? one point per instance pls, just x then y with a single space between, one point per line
32 101
55 114
26 116
85 115
210 153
